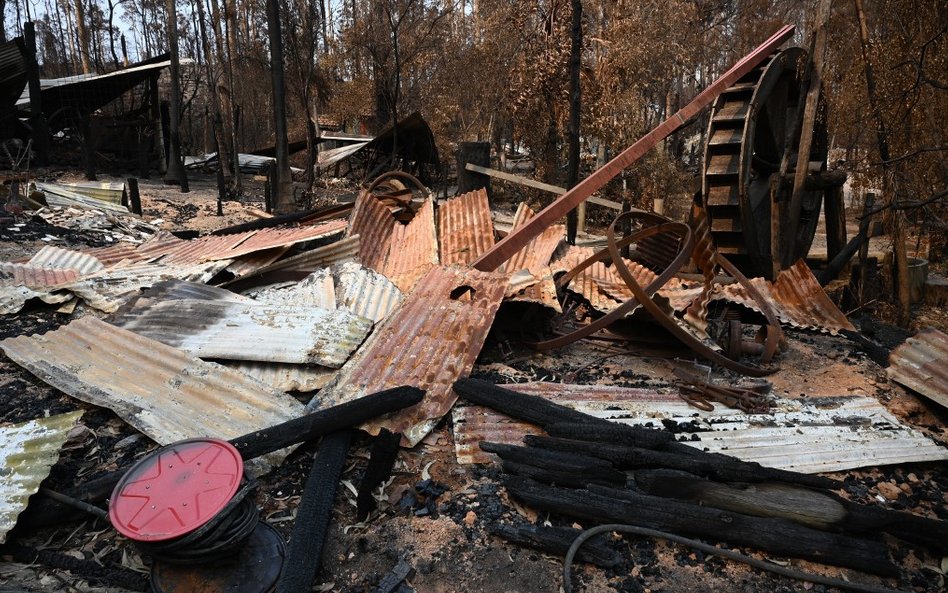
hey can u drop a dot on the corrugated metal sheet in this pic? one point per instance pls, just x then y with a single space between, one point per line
175 290
167 394
365 292
27 452
114 254
12 298
316 290
34 276
796 297
818 434
65 259
108 289
69 195
251 331
921 364
309 261
465 228
374 223
541 292
413 249
433 338
536 255
269 238
286 377
13 72
605 290
250 263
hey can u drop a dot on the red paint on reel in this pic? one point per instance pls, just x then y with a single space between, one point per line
176 489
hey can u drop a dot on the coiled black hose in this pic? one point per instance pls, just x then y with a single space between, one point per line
214 540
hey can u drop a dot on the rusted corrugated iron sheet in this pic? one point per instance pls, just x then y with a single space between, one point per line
108 289
167 394
433 338
374 224
114 254
536 255
251 331
64 259
34 276
413 249
524 288
285 377
921 364
270 238
818 434
465 228
796 297
27 452
605 290
365 292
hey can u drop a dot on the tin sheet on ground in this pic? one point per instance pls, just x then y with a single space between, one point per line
817 434
251 331
167 394
433 338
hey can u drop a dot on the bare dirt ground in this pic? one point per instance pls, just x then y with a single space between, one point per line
452 549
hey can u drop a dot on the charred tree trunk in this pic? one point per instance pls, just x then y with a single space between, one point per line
82 28
175 175
283 185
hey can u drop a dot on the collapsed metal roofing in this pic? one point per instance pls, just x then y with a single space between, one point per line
13 79
50 256
465 228
99 195
433 338
27 452
816 434
797 298
365 292
285 377
165 393
921 364
251 331
34 276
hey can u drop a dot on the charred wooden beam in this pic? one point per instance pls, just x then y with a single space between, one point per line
821 510
632 436
764 499
775 536
385 449
557 540
555 467
694 461
564 477
529 408
312 517
311 426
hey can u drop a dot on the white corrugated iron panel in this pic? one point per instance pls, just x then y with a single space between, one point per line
251 331
27 452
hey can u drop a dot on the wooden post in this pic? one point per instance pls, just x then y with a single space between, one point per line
834 210
40 131
476 153
817 50
575 219
134 198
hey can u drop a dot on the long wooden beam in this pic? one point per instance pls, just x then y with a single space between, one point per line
553 189
519 238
